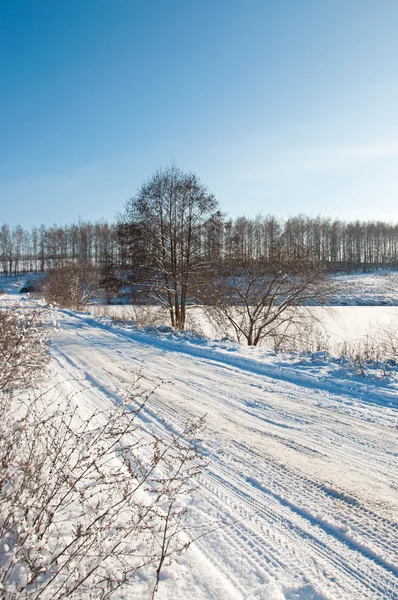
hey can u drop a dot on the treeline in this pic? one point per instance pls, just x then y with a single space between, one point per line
339 245
43 248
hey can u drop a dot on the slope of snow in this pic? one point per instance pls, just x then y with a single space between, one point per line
299 498
367 289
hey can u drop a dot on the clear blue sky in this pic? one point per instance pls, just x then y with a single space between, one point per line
280 106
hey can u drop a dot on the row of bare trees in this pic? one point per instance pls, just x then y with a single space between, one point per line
43 248
339 245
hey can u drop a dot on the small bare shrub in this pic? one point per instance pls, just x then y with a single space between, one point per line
101 310
22 350
90 506
389 343
193 323
73 285
376 350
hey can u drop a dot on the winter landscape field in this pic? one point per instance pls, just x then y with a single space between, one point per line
298 498
198 300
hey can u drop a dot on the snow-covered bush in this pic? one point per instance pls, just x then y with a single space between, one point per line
22 350
91 507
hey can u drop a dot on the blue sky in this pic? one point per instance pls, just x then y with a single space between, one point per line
280 106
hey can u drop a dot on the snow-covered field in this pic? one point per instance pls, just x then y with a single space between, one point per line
299 498
336 324
368 289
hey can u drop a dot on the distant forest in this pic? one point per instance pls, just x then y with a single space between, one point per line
340 246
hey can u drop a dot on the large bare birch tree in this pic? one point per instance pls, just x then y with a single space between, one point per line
168 217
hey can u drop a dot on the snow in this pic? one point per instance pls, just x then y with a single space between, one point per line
300 494
368 289
354 322
299 498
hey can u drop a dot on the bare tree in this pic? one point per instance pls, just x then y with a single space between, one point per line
260 298
109 281
73 285
170 214
7 250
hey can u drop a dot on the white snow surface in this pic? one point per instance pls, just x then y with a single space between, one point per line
367 289
299 498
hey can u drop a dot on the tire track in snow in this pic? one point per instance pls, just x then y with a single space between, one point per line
285 515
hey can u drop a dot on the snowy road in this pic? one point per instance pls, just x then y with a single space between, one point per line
301 489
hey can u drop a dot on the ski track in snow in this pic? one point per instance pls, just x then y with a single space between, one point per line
300 492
